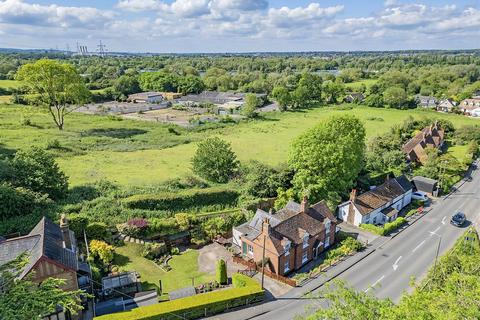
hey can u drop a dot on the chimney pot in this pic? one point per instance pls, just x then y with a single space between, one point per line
353 195
304 204
266 226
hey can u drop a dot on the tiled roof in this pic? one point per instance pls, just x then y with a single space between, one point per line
378 197
429 137
45 240
295 227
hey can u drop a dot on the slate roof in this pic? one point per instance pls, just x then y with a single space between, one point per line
45 240
383 194
288 224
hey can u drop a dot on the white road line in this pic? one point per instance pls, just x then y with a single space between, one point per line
434 231
443 220
375 283
395 265
416 248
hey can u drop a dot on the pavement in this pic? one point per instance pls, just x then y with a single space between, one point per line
386 267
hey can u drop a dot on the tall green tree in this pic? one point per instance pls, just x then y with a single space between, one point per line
56 85
282 96
214 160
126 85
395 97
221 272
24 299
328 158
251 104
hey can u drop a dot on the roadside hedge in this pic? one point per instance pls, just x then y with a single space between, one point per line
193 307
183 200
387 227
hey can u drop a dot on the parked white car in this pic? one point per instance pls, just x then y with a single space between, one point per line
419 195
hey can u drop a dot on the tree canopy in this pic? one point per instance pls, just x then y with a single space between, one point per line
214 160
328 158
25 299
56 85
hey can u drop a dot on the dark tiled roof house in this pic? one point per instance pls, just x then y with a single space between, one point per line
293 236
52 252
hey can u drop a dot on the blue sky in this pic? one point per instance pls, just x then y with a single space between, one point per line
241 25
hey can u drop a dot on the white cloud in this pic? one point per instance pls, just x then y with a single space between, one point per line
19 12
141 5
286 17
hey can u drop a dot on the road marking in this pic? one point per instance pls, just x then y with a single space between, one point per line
395 265
416 248
375 283
434 231
443 220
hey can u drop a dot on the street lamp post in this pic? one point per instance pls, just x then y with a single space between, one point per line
438 251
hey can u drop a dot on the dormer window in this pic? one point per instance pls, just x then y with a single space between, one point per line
305 240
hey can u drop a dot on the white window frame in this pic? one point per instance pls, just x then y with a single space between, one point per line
286 267
287 249
305 240
304 257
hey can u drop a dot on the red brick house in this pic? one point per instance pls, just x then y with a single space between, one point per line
415 148
293 236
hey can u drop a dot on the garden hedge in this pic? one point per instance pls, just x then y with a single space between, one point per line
183 200
387 227
193 307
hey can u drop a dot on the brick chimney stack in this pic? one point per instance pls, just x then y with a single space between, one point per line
304 204
266 226
353 195
65 231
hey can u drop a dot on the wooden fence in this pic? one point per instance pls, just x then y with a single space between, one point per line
253 266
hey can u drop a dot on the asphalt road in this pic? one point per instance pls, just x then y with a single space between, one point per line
387 271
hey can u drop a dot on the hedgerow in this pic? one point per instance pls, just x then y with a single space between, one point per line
195 306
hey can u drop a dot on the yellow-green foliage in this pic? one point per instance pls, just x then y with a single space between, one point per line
194 306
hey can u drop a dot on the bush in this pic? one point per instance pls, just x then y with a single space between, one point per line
221 272
19 201
77 223
194 306
175 251
181 201
102 251
387 228
154 250
98 231
240 281
37 170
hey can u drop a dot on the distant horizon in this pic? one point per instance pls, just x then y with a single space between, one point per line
239 26
243 52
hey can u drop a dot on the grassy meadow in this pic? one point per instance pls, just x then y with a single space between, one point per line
13 84
142 153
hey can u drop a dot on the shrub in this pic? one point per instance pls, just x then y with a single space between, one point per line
37 170
194 306
175 251
20 201
77 223
163 226
387 228
134 227
221 272
240 281
154 250
98 231
102 251
181 201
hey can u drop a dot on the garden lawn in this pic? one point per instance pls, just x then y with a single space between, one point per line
184 267
143 153
459 152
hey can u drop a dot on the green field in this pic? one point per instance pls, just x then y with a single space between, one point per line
142 153
355 85
184 267
10 84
